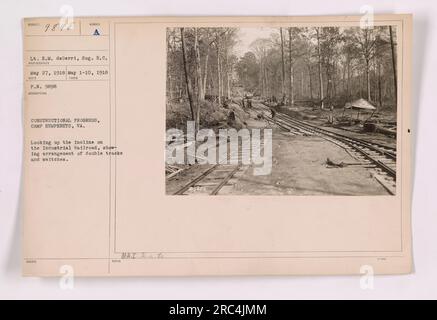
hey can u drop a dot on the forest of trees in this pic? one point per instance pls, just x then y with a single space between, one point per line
329 65
200 65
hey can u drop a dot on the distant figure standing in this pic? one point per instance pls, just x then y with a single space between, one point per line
249 102
273 114
248 98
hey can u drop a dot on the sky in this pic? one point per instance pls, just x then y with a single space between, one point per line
248 35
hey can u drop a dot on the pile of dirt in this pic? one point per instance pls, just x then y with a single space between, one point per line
211 115
229 115
177 114
240 116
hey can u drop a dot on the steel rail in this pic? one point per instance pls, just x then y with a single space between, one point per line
351 142
364 143
195 180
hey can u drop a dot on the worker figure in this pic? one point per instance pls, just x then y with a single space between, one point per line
273 114
249 102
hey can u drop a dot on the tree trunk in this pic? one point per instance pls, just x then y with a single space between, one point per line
205 76
348 79
283 66
328 79
266 88
393 56
311 82
369 98
219 71
343 81
170 86
228 84
375 78
187 80
334 78
301 85
198 82
182 85
320 68
290 60
261 78
379 85
198 77
228 78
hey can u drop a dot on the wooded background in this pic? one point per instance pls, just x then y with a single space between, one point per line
327 66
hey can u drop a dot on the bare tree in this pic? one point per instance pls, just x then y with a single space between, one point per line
366 42
187 79
319 54
198 78
219 70
290 61
393 55
340 63
282 66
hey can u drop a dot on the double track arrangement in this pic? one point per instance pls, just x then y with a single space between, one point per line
381 158
213 179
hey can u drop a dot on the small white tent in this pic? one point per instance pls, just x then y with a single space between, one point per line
360 104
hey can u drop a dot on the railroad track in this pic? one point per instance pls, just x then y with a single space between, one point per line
378 157
213 179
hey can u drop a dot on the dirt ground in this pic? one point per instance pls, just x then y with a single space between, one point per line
299 169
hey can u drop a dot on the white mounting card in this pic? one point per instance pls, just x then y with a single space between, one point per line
185 146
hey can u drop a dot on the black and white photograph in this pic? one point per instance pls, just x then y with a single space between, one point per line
281 111
305 129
